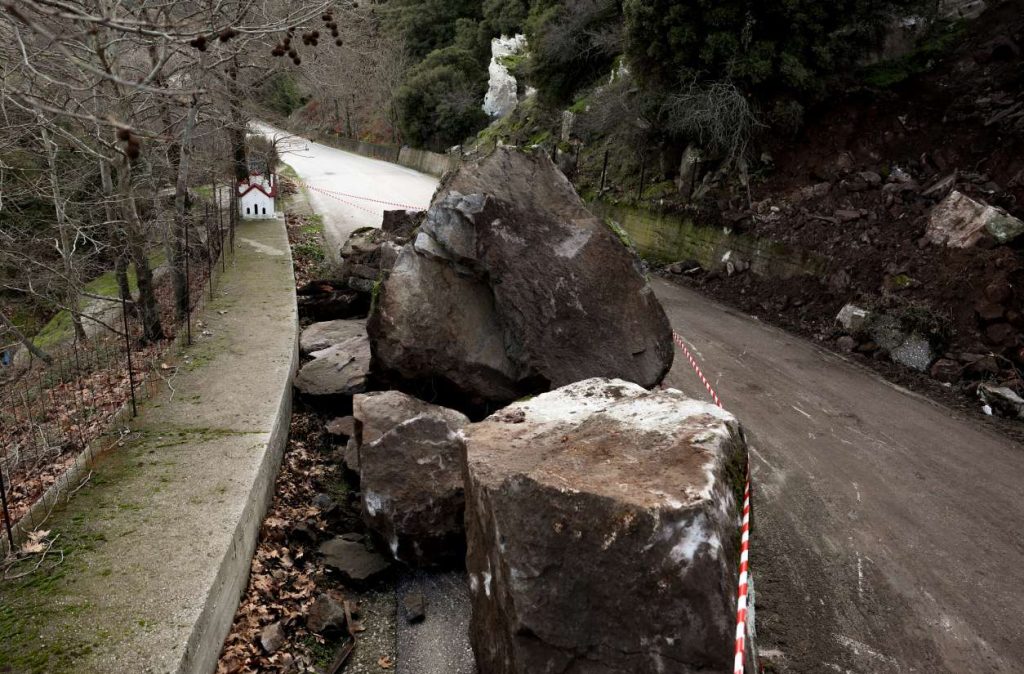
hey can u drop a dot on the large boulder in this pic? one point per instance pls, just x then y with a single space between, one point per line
961 222
342 369
512 287
602 532
410 465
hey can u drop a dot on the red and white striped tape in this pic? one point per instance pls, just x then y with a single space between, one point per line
696 368
336 194
739 663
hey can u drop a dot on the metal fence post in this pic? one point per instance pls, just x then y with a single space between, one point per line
188 286
604 172
7 512
128 353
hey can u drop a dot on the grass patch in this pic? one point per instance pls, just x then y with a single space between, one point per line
59 329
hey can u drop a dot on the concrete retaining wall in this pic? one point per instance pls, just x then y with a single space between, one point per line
664 238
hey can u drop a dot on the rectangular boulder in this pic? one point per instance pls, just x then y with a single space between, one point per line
602 532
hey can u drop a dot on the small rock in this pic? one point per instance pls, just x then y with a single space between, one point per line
871 178
999 292
1000 333
915 352
852 317
415 605
847 215
989 311
350 456
325 614
353 560
272 637
323 502
342 426
1002 400
303 532
846 343
979 366
353 536
947 371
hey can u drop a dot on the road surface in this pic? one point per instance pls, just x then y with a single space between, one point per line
885 530
343 173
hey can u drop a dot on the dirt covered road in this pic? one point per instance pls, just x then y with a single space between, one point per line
885 526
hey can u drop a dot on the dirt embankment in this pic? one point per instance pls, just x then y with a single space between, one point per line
858 186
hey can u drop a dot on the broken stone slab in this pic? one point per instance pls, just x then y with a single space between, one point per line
410 469
363 245
853 318
1002 400
602 527
959 221
505 292
342 369
353 560
320 336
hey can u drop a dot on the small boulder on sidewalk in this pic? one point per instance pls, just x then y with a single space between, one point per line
325 614
602 526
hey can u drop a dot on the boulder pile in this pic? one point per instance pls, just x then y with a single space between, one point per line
602 528
512 287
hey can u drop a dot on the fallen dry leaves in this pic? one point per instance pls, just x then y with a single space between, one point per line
285 576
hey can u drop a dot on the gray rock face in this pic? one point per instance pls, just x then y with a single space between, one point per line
961 222
320 336
410 466
508 291
342 369
401 224
353 560
602 532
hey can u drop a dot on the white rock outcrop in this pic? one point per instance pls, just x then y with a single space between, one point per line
502 88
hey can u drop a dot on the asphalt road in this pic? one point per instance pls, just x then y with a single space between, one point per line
343 173
886 533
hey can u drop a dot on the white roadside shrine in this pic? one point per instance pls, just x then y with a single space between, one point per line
257 196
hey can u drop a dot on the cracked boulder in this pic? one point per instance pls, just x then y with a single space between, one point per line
512 287
410 464
602 532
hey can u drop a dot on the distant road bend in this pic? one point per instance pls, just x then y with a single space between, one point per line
885 532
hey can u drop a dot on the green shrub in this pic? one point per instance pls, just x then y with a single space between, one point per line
440 102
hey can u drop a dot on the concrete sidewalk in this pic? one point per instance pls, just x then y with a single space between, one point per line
157 546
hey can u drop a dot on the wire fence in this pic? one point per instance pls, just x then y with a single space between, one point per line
57 416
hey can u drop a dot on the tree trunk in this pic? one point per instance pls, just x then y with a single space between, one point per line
137 250
178 252
238 125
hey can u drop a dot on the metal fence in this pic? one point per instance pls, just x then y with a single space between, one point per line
57 416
